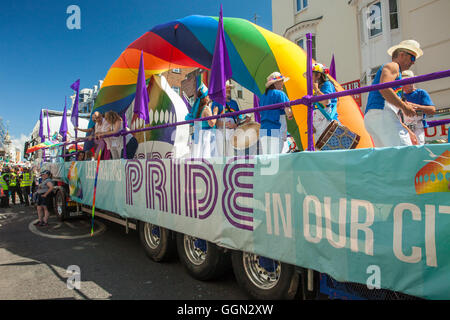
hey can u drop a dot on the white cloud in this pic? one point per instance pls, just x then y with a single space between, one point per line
19 142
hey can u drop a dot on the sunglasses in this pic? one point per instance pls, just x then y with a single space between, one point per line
413 57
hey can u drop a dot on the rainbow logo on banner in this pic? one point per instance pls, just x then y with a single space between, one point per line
434 176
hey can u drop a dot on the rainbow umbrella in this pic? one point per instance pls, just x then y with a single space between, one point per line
254 53
46 144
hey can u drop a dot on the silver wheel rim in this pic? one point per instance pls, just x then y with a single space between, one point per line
193 253
151 239
259 276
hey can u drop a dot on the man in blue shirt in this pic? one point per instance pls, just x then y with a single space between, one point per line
230 123
382 114
421 101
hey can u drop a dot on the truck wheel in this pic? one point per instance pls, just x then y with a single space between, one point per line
157 242
203 260
263 278
60 205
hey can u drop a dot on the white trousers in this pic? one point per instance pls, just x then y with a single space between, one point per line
385 128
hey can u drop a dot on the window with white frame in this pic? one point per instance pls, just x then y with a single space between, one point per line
375 19
393 14
176 70
176 89
302 44
301 5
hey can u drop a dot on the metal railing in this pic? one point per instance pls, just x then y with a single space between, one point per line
307 101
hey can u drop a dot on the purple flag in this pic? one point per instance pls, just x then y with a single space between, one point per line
41 127
141 99
256 105
63 127
333 68
74 116
48 127
220 67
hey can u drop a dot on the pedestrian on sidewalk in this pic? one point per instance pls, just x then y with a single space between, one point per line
43 191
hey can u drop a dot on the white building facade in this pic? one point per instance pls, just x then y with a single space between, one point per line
359 33
86 98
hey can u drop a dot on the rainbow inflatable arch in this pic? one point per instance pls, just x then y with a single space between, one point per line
254 54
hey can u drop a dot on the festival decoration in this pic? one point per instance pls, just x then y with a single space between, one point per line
254 53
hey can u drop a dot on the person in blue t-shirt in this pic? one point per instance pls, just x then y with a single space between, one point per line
230 123
421 101
273 130
324 111
382 114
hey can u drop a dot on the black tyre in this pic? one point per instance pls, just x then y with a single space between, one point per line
158 243
60 205
203 260
264 279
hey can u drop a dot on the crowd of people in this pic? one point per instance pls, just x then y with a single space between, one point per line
23 186
16 184
105 145
393 116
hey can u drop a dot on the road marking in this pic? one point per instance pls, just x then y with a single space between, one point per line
35 230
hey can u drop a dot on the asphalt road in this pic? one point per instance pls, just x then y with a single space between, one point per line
34 264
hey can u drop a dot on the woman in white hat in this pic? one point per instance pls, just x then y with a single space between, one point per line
273 130
324 111
382 116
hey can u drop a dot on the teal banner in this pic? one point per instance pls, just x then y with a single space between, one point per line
379 217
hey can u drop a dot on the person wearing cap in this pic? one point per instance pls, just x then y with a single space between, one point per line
273 130
203 137
385 107
324 111
229 123
42 199
421 101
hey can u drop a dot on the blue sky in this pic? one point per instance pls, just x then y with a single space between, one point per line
41 58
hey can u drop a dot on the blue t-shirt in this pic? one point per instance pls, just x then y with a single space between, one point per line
231 106
270 119
327 88
419 96
376 100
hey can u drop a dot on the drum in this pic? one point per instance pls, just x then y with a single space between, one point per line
336 137
245 138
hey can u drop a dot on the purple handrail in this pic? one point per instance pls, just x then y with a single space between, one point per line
306 100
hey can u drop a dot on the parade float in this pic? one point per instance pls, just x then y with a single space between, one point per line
295 223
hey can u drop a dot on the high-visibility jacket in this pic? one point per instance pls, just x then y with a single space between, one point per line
26 181
13 180
3 182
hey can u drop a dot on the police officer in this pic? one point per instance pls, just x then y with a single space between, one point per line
4 181
26 182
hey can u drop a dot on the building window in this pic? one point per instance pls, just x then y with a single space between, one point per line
302 44
373 73
301 4
393 14
176 89
176 70
374 19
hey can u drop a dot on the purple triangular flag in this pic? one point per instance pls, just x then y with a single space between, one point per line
48 127
333 68
41 127
74 115
220 67
63 127
256 105
141 100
